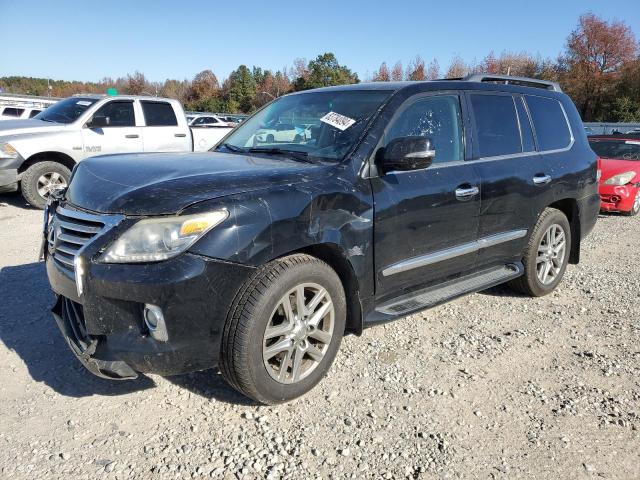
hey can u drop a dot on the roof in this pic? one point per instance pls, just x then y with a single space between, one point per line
473 82
100 96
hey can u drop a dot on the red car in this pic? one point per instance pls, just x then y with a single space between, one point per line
619 163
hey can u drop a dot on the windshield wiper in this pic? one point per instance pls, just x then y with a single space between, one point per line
233 148
295 154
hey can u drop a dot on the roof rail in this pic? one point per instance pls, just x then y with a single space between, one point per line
523 81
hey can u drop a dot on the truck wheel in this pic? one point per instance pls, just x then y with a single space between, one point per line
283 329
546 255
40 179
270 138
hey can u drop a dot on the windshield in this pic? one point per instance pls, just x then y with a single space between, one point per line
325 125
67 110
616 149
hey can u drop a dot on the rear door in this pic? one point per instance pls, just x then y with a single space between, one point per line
120 136
426 221
515 187
163 132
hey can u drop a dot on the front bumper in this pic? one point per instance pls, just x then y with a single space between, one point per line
618 198
105 328
8 179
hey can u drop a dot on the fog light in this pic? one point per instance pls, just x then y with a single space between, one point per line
154 320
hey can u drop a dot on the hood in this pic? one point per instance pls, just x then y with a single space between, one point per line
20 127
166 183
610 167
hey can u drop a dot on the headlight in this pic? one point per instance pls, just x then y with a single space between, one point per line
156 239
621 178
7 151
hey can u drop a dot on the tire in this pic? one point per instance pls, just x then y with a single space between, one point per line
257 306
270 138
297 139
32 186
635 209
530 283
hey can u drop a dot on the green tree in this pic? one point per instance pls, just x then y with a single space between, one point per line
325 71
240 90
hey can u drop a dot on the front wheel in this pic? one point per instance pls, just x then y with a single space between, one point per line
284 329
546 256
635 209
40 179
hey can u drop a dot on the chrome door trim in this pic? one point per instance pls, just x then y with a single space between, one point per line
449 253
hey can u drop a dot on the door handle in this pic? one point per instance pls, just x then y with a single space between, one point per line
466 193
132 136
541 179
180 135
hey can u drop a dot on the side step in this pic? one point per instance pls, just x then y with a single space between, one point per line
436 295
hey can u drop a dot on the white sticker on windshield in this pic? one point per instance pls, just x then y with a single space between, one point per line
336 120
633 142
84 103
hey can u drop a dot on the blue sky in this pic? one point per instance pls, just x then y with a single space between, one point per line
88 40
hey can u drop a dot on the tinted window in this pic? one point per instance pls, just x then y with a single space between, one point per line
496 125
525 126
550 123
120 114
616 149
158 114
33 113
13 112
436 117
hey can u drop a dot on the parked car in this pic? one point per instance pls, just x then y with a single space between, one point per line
282 133
210 121
619 160
38 155
259 259
18 112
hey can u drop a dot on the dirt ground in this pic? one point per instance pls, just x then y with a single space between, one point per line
493 385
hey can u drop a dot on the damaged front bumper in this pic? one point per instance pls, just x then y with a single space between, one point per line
105 328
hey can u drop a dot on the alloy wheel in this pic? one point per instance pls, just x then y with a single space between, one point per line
299 333
636 203
50 181
551 253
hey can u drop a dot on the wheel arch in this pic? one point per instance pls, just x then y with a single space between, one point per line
51 156
569 206
333 255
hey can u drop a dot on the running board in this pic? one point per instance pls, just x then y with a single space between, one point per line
433 296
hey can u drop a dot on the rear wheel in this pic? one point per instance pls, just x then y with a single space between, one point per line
40 179
284 329
546 256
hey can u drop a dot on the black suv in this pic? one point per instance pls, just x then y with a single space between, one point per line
258 256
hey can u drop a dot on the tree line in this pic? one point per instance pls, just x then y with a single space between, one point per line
599 68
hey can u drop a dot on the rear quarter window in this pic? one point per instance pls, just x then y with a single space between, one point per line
550 123
158 114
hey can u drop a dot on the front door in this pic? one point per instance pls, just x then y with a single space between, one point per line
426 221
121 135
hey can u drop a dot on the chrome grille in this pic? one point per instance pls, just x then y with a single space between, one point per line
69 231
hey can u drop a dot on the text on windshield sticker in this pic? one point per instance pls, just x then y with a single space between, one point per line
338 121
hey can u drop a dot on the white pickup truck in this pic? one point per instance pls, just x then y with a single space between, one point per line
37 155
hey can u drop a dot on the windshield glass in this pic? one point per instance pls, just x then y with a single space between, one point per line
325 125
616 149
67 110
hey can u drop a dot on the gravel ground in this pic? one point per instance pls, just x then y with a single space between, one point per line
491 385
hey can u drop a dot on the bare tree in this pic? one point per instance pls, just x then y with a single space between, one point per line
382 74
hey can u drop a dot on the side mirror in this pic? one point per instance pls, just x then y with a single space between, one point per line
99 121
407 153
